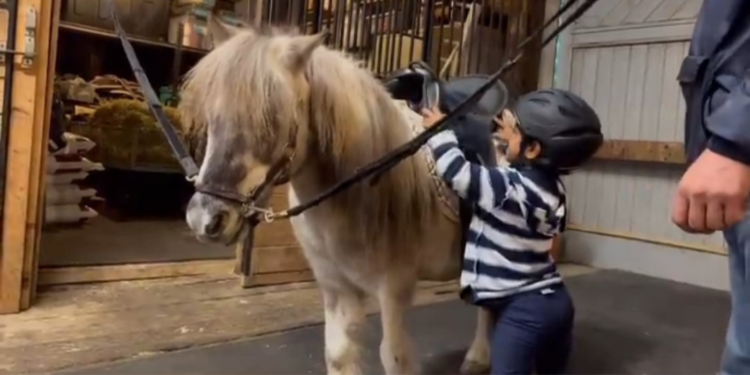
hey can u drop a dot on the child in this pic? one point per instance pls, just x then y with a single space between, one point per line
518 209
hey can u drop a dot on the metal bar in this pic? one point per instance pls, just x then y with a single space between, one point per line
416 7
349 26
317 15
441 40
465 19
340 22
452 31
403 16
7 96
305 17
480 35
368 37
358 14
390 42
429 14
270 11
330 25
378 35
290 12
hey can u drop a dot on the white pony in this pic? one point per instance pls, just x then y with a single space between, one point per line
257 89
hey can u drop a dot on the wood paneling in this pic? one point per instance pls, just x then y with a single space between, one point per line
623 57
94 274
637 12
643 151
630 198
277 257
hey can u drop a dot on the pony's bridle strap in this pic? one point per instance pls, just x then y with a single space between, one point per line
278 173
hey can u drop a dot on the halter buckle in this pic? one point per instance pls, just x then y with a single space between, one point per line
249 209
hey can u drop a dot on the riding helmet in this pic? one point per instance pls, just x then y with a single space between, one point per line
567 128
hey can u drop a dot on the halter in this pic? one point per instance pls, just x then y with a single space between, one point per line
278 174
275 174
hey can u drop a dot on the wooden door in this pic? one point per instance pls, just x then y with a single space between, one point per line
26 80
276 257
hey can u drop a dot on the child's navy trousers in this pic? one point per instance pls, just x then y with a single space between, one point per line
533 332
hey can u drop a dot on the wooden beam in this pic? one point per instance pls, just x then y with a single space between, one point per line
39 162
642 238
642 33
92 274
642 151
21 189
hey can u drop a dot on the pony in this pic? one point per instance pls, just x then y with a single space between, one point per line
256 89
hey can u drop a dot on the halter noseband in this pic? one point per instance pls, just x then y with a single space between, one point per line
278 174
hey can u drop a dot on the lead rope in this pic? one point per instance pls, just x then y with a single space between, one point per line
186 161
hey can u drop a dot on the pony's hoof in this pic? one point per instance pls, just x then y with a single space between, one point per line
474 368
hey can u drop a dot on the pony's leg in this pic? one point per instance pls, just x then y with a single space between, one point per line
344 317
477 359
396 353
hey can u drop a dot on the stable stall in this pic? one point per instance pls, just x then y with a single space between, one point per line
93 192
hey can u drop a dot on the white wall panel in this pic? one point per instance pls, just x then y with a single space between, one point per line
623 58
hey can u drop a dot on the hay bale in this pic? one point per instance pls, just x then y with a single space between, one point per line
126 113
129 134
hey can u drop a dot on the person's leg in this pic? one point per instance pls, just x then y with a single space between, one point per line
553 355
736 358
514 340
523 326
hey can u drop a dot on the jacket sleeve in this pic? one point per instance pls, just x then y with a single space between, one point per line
487 187
729 124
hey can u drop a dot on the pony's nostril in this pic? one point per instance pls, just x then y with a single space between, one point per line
214 227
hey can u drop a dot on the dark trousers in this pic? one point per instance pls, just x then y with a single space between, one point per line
533 332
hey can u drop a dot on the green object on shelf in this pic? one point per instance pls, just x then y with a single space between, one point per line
168 96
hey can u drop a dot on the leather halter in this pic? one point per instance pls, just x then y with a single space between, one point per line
278 174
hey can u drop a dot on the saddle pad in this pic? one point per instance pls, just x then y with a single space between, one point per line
449 199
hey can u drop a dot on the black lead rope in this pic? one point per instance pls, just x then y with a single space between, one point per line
186 161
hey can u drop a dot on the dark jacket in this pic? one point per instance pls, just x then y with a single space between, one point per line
715 81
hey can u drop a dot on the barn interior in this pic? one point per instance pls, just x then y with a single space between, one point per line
116 195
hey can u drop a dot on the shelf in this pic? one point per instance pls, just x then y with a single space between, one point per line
84 29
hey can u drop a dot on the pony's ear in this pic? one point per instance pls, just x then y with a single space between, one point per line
302 48
220 32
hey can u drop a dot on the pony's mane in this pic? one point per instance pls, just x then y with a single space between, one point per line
353 122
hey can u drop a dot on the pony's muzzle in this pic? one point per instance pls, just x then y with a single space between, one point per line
211 219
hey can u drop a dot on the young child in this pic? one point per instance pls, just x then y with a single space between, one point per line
518 209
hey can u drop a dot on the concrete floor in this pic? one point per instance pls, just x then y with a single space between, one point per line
625 324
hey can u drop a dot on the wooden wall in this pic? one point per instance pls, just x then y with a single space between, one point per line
623 57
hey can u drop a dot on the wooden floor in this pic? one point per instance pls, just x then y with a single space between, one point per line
102 241
89 324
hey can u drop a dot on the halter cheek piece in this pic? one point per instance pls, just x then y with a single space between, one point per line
279 173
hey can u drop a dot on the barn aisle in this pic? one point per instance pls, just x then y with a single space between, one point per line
626 324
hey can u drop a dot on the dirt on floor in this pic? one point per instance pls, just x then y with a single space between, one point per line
74 326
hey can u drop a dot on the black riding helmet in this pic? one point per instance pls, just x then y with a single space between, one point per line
567 128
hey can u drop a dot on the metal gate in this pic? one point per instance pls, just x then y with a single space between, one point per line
456 38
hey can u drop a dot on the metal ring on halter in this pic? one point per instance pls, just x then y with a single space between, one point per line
248 209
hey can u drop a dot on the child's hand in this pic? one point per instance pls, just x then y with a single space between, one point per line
431 117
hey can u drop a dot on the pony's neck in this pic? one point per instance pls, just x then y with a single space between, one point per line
355 122
354 119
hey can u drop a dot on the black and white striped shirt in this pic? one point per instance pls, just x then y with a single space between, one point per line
517 213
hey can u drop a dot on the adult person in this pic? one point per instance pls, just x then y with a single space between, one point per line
713 193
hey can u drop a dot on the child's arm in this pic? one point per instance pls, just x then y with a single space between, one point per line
473 182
